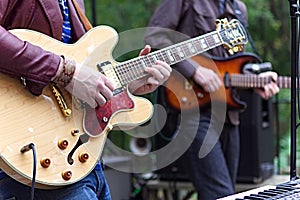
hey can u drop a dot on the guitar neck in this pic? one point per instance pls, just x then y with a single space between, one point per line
231 33
255 81
134 69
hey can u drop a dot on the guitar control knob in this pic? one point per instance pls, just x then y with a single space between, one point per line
183 100
45 162
63 144
83 157
66 175
75 132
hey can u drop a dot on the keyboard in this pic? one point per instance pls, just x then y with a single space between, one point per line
286 191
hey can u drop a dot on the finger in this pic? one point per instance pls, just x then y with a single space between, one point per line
160 75
100 100
273 89
216 84
155 73
110 84
105 91
164 65
206 87
152 81
161 70
212 88
145 50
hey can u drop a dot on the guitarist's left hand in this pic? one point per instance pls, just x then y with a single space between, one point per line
157 75
269 89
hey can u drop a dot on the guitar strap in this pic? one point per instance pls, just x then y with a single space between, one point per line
239 16
86 23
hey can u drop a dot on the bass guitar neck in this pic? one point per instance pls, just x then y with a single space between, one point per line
184 94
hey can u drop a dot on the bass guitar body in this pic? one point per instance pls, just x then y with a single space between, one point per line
184 94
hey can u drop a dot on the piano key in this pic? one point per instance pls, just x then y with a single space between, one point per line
285 191
241 195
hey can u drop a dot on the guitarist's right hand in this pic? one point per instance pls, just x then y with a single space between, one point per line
85 83
207 79
90 86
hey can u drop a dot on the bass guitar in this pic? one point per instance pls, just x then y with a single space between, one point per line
68 135
184 94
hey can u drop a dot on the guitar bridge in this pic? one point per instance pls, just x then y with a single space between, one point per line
66 111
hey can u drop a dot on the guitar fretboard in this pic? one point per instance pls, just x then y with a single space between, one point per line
232 34
255 81
134 69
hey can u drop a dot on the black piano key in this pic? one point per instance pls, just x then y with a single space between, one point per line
269 193
260 195
254 197
284 187
279 191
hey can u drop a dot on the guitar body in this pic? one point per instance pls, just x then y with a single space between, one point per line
62 158
183 94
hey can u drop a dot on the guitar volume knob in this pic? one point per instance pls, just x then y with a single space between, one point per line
45 162
63 144
66 175
83 157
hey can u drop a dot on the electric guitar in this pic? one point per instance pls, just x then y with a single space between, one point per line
184 94
68 135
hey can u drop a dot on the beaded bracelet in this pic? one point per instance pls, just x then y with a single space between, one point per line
64 77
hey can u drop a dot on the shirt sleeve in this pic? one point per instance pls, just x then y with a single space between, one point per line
21 59
161 31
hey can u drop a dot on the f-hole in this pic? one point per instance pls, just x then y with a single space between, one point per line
84 138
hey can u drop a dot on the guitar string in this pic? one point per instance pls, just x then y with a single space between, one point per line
133 69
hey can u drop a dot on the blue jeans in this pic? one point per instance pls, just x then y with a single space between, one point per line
213 176
93 186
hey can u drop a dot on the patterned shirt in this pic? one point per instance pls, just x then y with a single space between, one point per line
66 28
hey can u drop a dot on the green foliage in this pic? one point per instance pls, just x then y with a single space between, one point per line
269 27
122 15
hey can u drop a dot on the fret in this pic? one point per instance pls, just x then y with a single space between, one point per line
132 66
163 56
216 38
210 41
136 70
284 82
203 43
170 56
157 55
149 59
186 50
120 72
125 75
197 44
176 54
180 53
192 48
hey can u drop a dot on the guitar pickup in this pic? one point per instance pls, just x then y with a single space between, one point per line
226 80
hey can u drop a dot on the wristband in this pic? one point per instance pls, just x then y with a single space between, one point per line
65 75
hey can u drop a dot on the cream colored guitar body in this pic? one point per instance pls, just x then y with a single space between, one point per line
26 119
